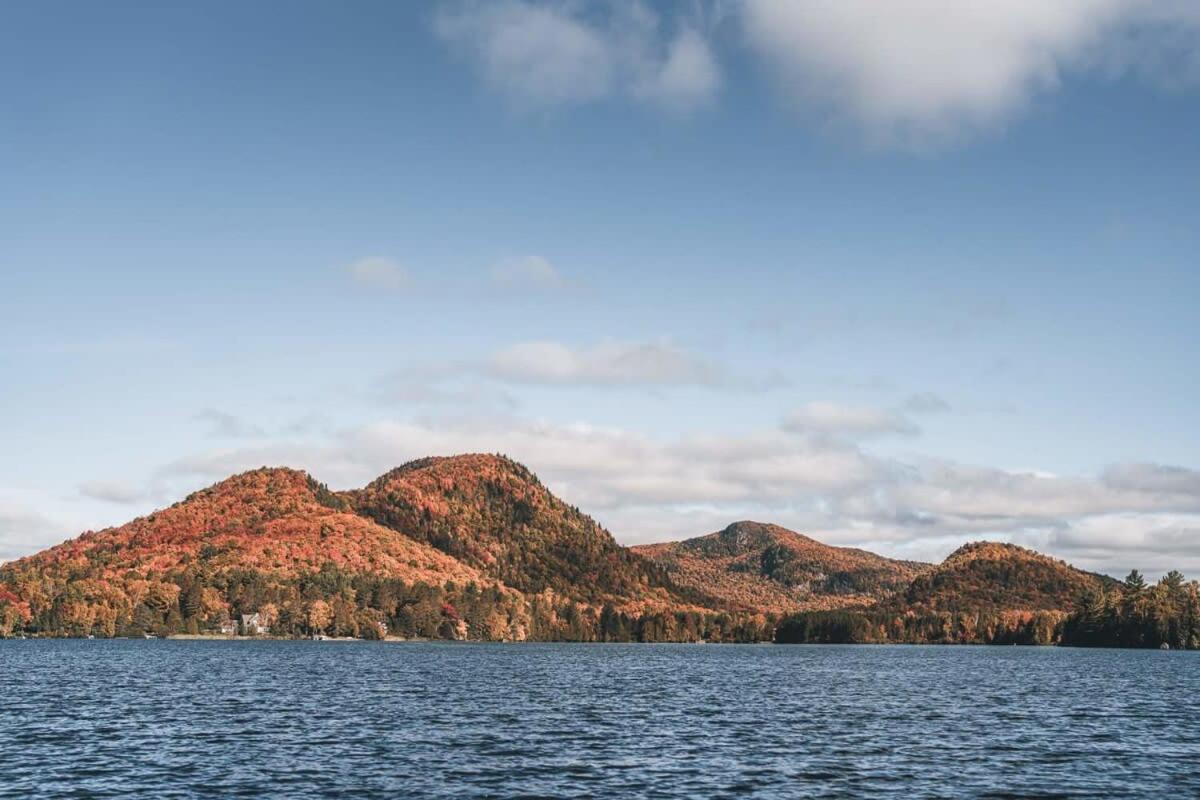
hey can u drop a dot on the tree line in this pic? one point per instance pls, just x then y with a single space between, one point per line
1138 614
336 602
1133 614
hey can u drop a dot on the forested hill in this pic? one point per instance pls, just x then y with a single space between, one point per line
470 546
495 515
278 521
992 576
993 593
763 567
983 592
476 547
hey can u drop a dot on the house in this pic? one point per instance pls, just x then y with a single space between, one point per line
228 627
254 625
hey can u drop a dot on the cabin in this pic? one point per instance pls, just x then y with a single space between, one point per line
228 627
254 625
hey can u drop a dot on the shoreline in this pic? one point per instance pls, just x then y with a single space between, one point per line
202 637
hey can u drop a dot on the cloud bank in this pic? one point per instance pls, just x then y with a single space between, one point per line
609 363
853 421
908 73
649 488
545 54
23 531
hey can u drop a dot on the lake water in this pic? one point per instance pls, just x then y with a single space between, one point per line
321 719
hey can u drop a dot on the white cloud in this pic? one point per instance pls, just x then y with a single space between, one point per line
597 468
1153 478
534 53
112 491
645 488
376 272
610 363
688 77
854 421
24 531
985 495
912 73
917 72
1116 543
227 426
491 383
551 53
526 271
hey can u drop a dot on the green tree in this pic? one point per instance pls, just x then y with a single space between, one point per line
1134 586
1173 581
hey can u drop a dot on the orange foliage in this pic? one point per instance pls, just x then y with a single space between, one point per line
525 564
994 576
754 566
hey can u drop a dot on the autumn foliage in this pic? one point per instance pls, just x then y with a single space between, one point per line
754 566
465 547
476 547
983 593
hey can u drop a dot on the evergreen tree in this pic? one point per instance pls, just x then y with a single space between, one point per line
1134 586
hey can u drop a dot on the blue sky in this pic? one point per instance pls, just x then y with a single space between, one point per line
898 278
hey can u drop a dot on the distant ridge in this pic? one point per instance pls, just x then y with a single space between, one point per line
763 567
470 546
476 547
986 576
982 593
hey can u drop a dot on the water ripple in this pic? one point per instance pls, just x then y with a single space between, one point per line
126 719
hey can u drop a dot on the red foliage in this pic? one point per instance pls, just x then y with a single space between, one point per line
272 520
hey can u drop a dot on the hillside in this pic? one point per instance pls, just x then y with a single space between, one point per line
761 567
991 576
476 547
496 516
984 592
464 547
278 521
270 540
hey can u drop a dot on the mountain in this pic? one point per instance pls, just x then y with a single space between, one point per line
278 521
495 515
469 546
762 567
270 540
983 593
990 576
476 547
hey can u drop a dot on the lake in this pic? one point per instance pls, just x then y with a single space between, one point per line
319 719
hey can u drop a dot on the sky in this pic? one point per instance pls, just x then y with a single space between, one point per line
898 276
